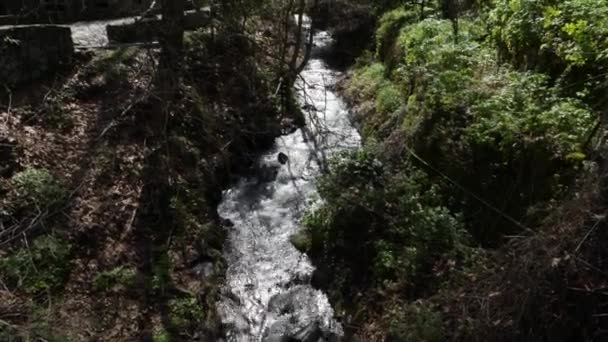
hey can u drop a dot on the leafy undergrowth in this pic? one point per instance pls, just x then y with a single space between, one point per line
472 213
86 252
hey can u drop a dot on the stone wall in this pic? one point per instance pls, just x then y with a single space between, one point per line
62 11
147 30
33 52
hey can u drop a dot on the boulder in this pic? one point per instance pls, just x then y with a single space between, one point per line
145 30
29 53
282 158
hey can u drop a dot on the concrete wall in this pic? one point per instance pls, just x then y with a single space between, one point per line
33 52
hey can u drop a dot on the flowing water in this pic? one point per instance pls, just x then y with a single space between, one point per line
268 296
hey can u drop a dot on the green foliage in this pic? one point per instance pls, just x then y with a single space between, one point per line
161 336
366 81
161 276
389 26
388 98
118 276
462 108
34 189
368 84
186 312
526 114
566 39
43 266
435 68
509 137
380 222
53 111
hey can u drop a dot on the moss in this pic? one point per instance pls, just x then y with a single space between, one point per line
161 336
301 241
119 276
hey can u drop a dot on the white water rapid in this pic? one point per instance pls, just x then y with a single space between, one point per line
268 296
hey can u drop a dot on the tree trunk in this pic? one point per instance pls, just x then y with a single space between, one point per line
449 8
171 40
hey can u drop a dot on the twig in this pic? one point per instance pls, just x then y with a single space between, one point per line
580 244
10 103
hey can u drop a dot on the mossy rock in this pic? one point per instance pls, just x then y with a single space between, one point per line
301 241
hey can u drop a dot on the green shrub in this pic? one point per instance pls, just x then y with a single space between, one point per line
388 98
42 266
186 312
365 82
437 70
482 124
389 26
380 224
527 114
36 188
566 39
53 111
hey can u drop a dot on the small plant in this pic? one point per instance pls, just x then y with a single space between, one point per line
388 98
161 277
161 336
42 266
114 65
118 276
36 188
186 312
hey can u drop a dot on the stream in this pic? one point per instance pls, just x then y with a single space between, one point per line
267 295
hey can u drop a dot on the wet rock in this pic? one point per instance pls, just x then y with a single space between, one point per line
282 158
310 333
145 30
288 126
204 270
283 331
267 173
309 107
297 322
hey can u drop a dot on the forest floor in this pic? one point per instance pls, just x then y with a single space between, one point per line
85 254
